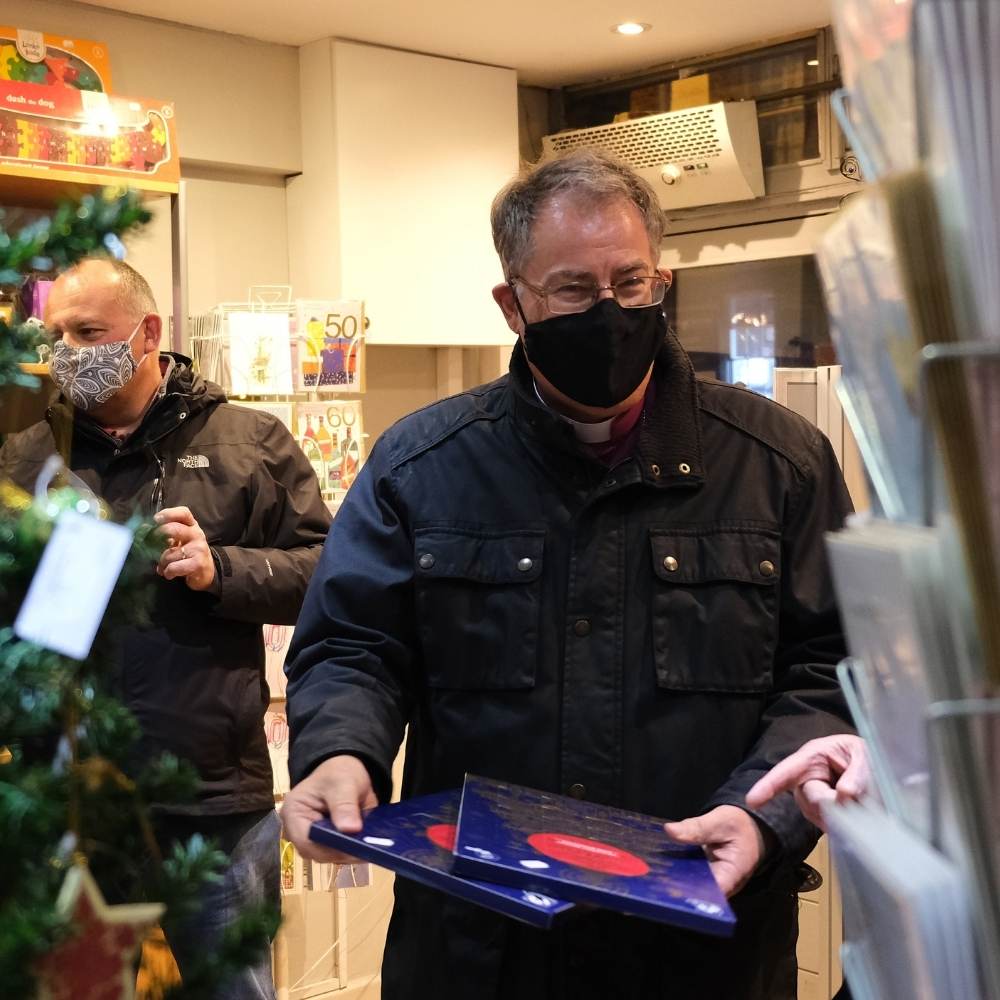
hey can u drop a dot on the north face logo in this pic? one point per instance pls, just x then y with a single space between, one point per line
193 461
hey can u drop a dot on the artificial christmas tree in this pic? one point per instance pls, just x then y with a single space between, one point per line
96 961
81 872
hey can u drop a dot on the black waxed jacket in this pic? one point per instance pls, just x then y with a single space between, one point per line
655 636
194 678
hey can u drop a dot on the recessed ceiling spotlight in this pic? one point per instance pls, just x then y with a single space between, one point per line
812 62
631 28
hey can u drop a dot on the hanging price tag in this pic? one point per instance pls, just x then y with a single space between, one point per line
70 590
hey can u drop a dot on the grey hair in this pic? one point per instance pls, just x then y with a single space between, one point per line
591 174
133 292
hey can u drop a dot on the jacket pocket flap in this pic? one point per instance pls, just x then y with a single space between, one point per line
706 557
514 557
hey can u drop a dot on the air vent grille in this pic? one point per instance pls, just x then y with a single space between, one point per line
644 142
693 156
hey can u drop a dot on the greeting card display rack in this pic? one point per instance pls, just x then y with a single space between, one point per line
963 743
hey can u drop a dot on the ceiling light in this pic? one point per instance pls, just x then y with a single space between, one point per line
812 62
631 28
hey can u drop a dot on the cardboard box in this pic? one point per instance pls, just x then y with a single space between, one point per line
87 137
53 60
690 92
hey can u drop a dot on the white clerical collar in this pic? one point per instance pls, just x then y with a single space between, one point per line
587 433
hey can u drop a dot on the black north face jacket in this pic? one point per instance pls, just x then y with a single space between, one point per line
654 636
195 677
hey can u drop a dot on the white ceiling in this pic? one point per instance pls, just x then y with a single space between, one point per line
549 42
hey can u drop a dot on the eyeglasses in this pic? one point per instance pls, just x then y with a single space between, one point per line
632 292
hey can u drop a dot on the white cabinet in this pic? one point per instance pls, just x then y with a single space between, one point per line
812 393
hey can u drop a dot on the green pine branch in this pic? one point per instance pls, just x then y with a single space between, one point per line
78 228
18 345
45 699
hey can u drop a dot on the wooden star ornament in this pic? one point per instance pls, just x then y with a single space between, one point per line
97 960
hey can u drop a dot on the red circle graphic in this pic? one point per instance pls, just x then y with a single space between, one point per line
442 834
585 853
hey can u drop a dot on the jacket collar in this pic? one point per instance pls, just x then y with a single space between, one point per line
669 452
181 393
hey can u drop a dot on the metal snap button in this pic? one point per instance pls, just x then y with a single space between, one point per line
525 564
684 468
808 878
426 560
670 564
577 791
581 627
766 568
655 469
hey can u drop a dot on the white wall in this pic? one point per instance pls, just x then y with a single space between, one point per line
313 197
403 155
237 235
425 143
149 254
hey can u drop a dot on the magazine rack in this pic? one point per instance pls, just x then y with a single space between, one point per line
963 737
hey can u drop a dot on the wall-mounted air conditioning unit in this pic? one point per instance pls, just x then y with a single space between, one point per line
698 156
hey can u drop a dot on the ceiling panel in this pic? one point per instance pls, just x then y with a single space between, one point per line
549 43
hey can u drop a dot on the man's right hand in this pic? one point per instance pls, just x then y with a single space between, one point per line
340 788
828 769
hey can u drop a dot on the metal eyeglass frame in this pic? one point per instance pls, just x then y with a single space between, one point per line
515 280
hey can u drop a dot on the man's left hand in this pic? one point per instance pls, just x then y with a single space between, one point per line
732 841
187 554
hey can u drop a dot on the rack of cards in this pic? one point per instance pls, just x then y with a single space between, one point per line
302 360
911 270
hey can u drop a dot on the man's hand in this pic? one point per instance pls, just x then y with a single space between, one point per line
339 788
829 769
732 841
187 553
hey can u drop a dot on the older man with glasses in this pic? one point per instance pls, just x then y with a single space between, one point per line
596 576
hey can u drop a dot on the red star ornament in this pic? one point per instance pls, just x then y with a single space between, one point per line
96 962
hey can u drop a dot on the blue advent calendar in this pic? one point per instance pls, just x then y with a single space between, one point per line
587 853
414 838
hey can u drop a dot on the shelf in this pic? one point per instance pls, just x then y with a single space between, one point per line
42 187
20 407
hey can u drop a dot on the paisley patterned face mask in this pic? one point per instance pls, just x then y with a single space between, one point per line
91 375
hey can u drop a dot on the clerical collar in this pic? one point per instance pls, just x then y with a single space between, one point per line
587 433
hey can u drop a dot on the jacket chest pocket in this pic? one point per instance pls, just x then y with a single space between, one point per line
478 607
715 609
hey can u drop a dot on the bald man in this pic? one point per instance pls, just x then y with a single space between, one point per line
241 510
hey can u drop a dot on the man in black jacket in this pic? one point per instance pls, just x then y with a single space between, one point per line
242 512
596 576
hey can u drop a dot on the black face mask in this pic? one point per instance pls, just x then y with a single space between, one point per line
598 357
